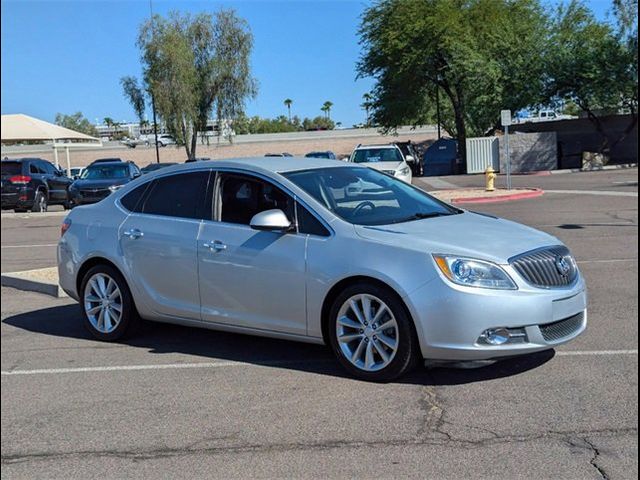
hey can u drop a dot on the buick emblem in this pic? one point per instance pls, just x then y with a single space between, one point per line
563 266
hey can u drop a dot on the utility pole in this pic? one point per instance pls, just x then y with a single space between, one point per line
153 102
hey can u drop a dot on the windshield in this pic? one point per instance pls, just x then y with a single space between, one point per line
101 172
364 196
377 155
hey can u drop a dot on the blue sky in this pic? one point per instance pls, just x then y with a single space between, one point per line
68 56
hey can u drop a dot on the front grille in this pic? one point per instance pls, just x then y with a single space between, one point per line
553 332
90 192
544 267
389 172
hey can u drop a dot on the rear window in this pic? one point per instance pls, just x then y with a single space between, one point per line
11 168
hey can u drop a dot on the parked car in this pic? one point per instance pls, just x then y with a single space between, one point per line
100 179
411 156
152 167
321 252
165 139
283 154
33 184
76 172
327 154
385 158
197 159
134 142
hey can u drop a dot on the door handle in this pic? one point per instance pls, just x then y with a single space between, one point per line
134 233
215 246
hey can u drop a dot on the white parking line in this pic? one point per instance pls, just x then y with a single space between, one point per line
224 364
583 353
166 366
30 246
610 260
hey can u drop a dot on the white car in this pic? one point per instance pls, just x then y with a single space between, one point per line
384 158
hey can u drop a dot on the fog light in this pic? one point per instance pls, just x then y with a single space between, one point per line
496 336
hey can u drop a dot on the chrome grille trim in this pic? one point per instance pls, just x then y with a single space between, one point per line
556 331
538 267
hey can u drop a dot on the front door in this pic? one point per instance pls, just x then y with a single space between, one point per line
251 278
159 243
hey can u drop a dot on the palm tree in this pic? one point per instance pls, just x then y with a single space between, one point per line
108 121
366 104
288 103
327 108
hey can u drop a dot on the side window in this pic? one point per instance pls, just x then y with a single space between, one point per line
35 168
307 223
131 201
243 196
48 167
181 195
134 170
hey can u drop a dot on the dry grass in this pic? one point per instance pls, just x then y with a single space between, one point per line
144 155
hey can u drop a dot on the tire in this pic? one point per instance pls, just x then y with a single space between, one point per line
400 332
40 202
107 325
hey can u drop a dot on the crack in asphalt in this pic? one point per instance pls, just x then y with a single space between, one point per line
594 459
152 454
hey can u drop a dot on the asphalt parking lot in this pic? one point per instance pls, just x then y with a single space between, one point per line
179 402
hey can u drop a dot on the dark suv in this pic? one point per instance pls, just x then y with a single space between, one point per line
100 179
33 184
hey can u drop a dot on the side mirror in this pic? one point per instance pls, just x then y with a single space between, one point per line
137 174
410 159
271 220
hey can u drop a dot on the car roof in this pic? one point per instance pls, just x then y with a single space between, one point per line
107 164
24 159
265 164
382 145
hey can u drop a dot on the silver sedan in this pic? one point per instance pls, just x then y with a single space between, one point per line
319 251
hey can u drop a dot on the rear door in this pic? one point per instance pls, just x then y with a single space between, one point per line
58 183
159 243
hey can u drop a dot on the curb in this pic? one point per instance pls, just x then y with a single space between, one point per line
34 215
532 193
24 281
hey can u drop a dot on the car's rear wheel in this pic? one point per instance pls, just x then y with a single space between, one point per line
40 203
371 333
109 311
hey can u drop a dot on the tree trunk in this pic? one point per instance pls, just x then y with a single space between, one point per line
457 103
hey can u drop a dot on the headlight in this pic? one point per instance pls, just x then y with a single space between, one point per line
474 273
403 171
114 188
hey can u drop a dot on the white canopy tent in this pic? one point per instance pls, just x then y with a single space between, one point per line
20 128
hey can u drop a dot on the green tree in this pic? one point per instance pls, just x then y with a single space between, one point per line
594 66
326 108
76 122
482 55
134 93
196 66
288 103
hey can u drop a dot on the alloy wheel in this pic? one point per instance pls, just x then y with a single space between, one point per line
103 303
367 332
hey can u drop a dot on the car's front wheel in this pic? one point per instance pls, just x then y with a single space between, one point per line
371 333
109 311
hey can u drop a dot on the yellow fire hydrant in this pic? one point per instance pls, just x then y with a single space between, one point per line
490 177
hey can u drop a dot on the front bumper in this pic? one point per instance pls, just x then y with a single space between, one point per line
450 319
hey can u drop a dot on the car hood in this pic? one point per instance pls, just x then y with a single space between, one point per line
467 234
100 183
382 165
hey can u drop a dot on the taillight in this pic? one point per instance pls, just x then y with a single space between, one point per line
20 179
65 226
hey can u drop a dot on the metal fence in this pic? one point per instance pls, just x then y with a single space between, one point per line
482 153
